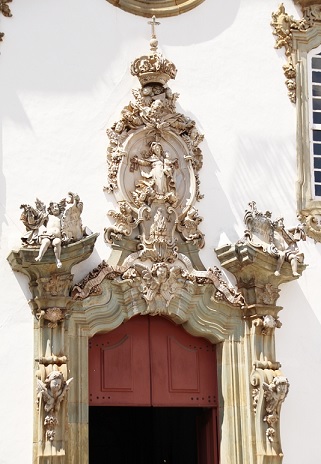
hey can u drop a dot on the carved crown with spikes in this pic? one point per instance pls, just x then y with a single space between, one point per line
153 68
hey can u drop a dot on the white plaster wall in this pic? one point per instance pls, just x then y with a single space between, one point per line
64 78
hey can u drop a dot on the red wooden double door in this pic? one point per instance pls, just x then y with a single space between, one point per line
165 382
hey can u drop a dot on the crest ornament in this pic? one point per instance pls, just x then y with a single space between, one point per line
274 239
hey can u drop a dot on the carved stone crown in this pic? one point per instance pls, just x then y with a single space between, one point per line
153 68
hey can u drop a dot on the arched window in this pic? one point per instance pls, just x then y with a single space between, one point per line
159 8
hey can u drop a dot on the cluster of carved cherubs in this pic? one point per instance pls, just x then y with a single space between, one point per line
58 224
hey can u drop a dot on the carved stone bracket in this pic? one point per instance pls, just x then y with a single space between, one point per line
50 286
269 390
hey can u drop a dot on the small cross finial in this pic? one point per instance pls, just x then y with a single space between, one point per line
153 23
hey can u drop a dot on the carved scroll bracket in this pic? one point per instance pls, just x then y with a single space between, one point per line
269 390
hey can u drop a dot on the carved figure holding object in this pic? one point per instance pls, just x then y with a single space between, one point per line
285 242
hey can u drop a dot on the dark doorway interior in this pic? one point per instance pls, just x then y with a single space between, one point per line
143 435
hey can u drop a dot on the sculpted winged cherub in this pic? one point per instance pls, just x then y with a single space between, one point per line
60 223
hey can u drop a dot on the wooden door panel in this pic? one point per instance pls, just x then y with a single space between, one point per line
183 368
207 437
119 371
151 361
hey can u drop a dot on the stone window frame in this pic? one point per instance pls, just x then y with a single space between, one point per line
308 205
159 8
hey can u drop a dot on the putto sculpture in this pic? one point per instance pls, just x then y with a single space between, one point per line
52 392
274 238
274 394
57 225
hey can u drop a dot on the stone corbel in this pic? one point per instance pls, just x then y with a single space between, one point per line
269 390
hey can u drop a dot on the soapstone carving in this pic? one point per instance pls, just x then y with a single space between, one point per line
273 238
274 393
283 25
58 224
52 392
153 160
158 286
124 223
267 294
285 242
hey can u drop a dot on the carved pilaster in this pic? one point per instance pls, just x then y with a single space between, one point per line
51 305
266 257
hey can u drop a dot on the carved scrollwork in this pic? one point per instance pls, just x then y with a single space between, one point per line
268 393
267 294
274 394
274 239
283 26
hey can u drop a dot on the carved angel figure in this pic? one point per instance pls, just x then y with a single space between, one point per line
285 242
274 393
159 286
53 390
61 223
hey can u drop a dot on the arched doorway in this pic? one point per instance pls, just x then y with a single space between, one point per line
152 395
